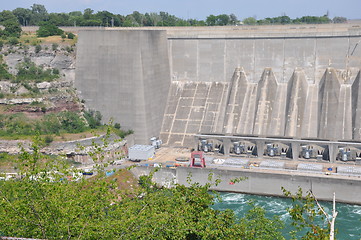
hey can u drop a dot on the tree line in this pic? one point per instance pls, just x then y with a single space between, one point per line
37 14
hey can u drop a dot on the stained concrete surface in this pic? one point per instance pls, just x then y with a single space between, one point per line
295 81
125 75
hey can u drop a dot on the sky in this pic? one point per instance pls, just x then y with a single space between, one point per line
200 9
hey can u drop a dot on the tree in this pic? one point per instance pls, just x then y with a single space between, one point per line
38 14
60 19
43 204
339 20
93 118
233 19
250 21
23 15
106 18
211 20
303 212
12 28
152 19
10 23
138 17
88 13
222 20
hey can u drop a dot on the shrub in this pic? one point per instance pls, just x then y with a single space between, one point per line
93 118
13 41
69 49
54 46
56 71
71 122
48 139
4 74
47 29
37 48
71 35
28 71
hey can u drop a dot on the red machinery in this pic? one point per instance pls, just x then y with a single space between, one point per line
197 160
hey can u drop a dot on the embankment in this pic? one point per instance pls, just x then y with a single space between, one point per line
262 182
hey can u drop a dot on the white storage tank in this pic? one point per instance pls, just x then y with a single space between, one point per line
141 152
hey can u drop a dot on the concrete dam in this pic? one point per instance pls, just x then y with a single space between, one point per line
296 81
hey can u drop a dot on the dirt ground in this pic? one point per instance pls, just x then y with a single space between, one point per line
182 156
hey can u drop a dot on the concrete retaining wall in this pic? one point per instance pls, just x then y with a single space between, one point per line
125 75
347 189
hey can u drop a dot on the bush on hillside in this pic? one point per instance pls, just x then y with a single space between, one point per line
4 74
47 29
28 71
71 35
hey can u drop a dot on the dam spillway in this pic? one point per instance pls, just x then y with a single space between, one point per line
293 81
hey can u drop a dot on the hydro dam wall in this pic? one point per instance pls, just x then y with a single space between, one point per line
298 81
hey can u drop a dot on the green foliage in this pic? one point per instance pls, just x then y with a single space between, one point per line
20 125
71 35
122 133
339 20
47 29
312 20
38 14
48 139
23 15
287 20
55 71
69 49
54 46
220 20
11 25
44 204
16 124
28 71
255 225
93 118
303 213
13 40
250 21
4 74
37 48
71 122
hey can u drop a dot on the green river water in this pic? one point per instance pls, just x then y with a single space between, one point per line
348 221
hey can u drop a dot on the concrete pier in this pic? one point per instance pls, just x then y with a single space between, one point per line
262 182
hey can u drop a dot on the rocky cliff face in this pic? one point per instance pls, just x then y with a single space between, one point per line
62 58
55 96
